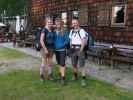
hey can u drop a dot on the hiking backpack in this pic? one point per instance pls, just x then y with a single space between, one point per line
89 41
37 39
48 40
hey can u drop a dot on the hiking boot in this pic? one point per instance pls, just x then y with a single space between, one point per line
62 82
74 78
50 78
83 83
42 78
59 77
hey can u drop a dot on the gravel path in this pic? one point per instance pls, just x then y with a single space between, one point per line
25 63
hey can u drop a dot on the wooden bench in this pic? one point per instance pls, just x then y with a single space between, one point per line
123 55
96 52
20 43
29 43
115 55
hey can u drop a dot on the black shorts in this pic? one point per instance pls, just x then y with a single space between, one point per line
60 57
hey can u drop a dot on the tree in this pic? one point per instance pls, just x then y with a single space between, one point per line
12 7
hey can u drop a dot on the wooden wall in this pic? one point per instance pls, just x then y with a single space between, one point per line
95 16
36 11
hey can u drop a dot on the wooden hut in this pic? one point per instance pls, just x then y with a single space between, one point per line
109 21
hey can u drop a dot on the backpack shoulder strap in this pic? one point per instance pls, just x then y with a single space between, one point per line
45 30
72 32
79 33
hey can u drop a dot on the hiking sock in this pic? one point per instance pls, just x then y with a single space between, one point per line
49 70
42 68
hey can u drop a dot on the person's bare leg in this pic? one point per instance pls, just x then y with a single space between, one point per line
83 73
50 58
42 68
75 72
62 71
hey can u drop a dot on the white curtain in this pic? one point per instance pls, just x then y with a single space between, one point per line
17 24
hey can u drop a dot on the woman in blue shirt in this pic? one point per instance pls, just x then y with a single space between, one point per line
61 41
47 43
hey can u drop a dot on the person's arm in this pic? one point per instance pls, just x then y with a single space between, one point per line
82 33
82 44
42 42
66 38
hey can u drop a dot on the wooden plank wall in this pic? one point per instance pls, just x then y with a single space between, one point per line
99 17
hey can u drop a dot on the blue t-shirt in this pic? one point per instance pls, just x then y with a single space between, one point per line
49 38
61 41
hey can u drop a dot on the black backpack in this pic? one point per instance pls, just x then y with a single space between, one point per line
49 38
37 39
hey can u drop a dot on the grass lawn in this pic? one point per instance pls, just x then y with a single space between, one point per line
25 85
6 53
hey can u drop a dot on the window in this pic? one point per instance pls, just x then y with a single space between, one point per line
64 19
118 15
76 14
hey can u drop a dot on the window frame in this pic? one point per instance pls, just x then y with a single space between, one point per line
75 14
113 24
65 19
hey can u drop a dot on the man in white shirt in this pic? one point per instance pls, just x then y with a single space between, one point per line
78 37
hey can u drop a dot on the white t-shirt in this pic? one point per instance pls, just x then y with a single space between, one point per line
75 38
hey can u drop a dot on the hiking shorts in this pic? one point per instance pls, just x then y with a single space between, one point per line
77 57
60 57
50 54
